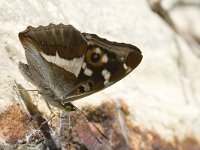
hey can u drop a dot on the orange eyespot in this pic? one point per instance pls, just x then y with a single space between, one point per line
96 57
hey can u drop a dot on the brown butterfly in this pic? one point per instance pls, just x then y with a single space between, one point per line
66 65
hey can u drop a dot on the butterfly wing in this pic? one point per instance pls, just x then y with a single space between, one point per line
105 63
54 54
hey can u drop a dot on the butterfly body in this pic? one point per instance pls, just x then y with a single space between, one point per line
66 64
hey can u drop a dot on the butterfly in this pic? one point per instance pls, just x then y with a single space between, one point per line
66 65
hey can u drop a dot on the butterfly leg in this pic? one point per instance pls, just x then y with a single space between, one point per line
17 88
69 122
52 115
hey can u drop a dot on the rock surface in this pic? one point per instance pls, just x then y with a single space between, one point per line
156 106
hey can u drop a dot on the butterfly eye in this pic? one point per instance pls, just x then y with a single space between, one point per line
96 57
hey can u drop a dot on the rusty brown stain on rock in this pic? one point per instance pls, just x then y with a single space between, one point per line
105 116
12 124
189 143
102 113
139 137
124 107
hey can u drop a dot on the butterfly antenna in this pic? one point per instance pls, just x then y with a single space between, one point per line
85 117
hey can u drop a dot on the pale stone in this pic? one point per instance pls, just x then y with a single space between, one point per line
162 93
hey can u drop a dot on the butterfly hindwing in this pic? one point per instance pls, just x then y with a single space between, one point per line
105 63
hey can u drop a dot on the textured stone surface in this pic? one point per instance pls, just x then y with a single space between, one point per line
161 95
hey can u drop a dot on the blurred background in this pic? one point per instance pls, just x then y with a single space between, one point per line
161 96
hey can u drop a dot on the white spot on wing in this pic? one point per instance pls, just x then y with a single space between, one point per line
73 66
88 72
105 58
84 65
106 82
97 50
125 67
106 74
128 70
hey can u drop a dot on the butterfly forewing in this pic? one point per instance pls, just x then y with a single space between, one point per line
63 40
55 54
